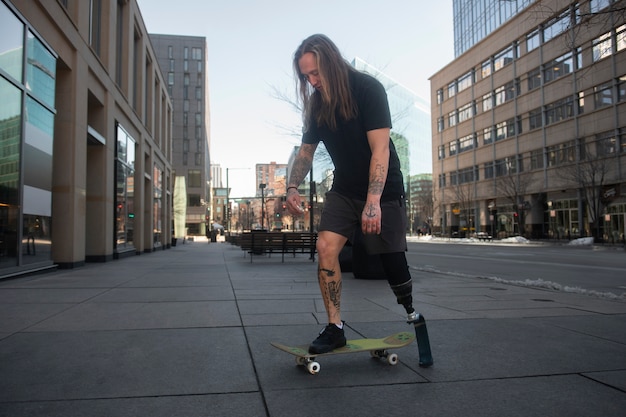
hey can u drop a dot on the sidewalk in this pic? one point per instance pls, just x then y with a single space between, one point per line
187 331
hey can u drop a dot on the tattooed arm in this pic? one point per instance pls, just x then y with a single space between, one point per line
379 164
301 167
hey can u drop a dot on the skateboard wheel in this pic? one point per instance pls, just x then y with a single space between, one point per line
392 359
378 353
313 367
300 361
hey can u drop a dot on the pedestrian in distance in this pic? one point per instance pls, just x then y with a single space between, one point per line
348 111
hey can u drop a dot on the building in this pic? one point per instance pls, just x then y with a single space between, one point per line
85 123
474 20
410 116
183 62
271 186
528 126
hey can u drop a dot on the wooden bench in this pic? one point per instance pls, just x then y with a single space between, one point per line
257 243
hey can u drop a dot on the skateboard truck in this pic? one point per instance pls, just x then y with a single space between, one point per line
423 343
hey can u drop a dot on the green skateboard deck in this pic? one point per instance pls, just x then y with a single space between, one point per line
377 347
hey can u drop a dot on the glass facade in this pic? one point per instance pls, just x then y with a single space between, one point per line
475 19
125 175
27 88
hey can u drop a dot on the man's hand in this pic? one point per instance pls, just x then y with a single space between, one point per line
371 219
294 203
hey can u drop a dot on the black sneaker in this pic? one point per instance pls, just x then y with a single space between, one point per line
331 337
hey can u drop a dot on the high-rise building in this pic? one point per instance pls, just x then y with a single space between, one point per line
85 135
410 116
183 61
476 19
528 126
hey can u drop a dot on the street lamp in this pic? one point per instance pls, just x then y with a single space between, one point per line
262 188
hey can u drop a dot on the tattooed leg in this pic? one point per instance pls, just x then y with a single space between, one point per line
330 286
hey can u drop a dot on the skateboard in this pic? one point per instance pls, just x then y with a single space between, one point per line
423 343
378 348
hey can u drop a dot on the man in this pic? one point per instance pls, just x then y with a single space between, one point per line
349 112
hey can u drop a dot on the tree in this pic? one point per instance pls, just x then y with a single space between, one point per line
590 176
513 187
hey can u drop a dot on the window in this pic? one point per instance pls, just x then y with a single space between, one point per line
453 148
452 118
440 124
506 92
532 41
621 88
534 79
489 170
467 142
95 21
507 129
603 95
194 178
170 52
556 26
485 69
503 59
488 135
606 144
597 5
559 67
534 119
561 154
452 89
559 110
441 152
193 200
487 102
465 81
536 159
602 47
466 112
170 78
439 96
196 53
442 180
620 38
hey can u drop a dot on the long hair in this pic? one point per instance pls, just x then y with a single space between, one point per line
323 106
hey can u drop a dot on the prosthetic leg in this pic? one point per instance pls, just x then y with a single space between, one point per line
401 284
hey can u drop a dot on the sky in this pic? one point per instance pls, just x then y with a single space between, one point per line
250 46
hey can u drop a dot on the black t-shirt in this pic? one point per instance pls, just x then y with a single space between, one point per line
348 146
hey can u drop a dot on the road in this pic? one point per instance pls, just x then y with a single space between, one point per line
576 267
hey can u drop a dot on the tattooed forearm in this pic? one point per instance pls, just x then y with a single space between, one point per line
378 175
302 164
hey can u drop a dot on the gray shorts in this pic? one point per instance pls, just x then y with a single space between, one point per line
342 215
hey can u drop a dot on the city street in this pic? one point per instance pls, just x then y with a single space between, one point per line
579 268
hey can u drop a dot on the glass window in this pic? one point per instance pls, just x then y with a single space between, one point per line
487 102
556 26
465 81
620 38
452 89
606 144
11 43
466 112
440 126
532 41
485 69
534 79
452 118
534 118
439 96
453 148
441 150
194 177
597 5
40 70
488 170
488 135
170 78
467 142
603 95
125 167
95 19
621 88
558 67
536 159
196 53
503 59
602 47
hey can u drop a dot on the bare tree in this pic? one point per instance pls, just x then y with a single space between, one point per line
590 175
514 187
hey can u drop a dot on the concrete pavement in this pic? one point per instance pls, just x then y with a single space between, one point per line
187 331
